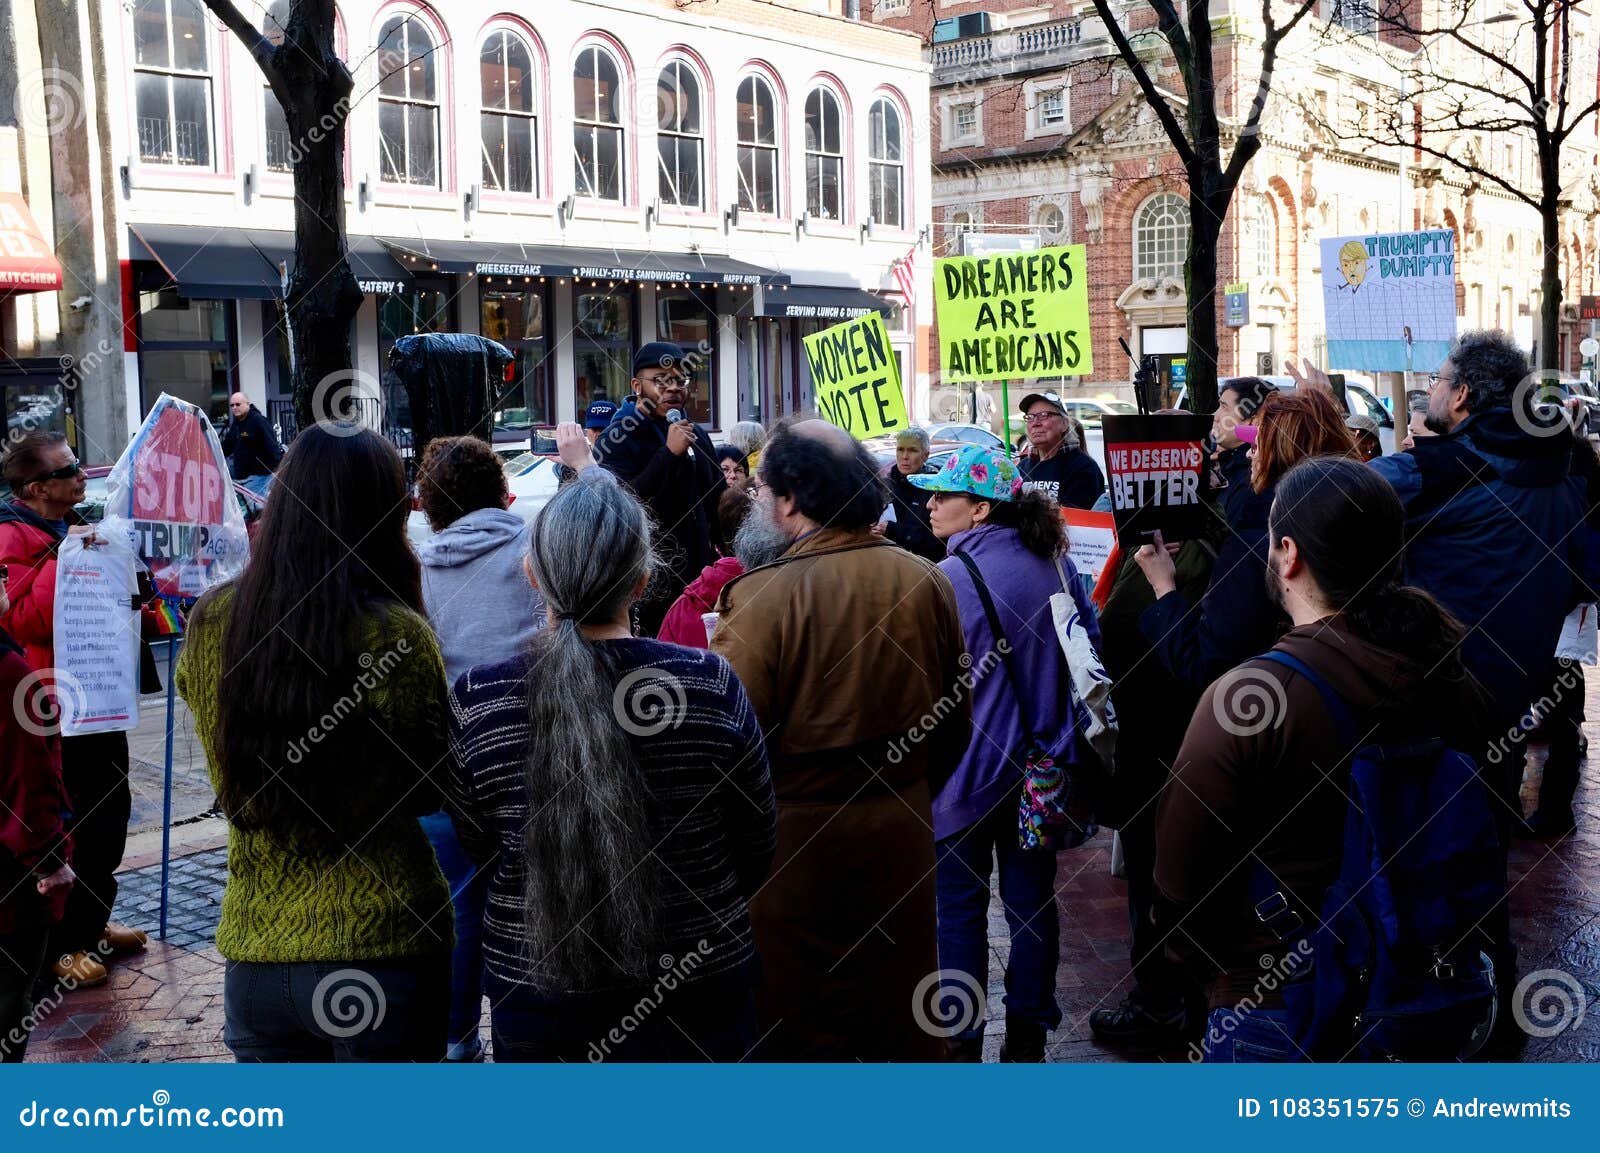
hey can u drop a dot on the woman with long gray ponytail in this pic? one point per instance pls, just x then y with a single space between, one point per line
618 788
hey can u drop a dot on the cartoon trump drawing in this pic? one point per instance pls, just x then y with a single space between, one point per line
1353 263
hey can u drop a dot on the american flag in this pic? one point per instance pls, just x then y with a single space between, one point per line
905 275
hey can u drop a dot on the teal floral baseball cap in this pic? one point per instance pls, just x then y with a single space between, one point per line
975 471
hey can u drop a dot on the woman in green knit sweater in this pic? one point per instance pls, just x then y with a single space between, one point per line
318 692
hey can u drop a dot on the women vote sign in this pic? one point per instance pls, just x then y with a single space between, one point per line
171 494
1013 314
856 377
1154 466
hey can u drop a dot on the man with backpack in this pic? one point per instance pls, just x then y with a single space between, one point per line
1317 788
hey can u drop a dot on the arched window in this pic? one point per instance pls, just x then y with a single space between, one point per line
597 124
758 147
1265 226
1160 237
507 123
408 103
824 156
680 135
1052 224
885 165
172 82
279 146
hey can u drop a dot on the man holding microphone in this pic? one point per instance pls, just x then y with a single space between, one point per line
670 464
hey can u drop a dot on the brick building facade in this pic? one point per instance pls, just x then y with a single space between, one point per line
1038 132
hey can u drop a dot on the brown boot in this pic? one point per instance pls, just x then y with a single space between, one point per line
119 938
79 969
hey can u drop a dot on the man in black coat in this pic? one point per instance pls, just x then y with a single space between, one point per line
671 465
910 528
248 441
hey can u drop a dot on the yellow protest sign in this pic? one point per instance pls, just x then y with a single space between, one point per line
856 377
1013 314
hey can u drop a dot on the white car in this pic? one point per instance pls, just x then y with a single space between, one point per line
1091 412
532 480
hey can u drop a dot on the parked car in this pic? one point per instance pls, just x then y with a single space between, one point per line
1360 399
1091 412
963 434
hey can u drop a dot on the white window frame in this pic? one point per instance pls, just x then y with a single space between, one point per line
1034 93
412 20
683 64
1175 204
948 104
170 72
597 126
875 164
1063 235
821 154
507 113
756 148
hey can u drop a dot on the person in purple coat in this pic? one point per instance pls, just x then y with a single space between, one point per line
1018 545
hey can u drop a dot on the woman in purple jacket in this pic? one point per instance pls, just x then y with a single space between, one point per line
1018 545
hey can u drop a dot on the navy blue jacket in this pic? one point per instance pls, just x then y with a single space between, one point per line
1236 619
1496 520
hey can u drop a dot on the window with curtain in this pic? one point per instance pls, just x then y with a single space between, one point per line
1160 237
508 127
824 156
680 136
885 165
172 83
408 104
597 125
758 147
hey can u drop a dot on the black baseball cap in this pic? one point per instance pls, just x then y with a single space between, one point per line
658 354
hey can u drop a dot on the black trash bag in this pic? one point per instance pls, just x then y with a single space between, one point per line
451 380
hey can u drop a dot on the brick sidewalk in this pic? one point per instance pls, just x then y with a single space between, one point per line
166 1004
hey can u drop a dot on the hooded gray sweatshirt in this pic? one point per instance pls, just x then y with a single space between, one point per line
478 598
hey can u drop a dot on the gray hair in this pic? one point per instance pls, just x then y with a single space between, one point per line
588 829
747 436
1491 365
920 435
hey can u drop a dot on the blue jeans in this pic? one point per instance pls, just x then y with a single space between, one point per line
336 1010
1247 1037
469 891
1027 891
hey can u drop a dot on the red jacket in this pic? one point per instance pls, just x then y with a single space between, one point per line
683 625
28 547
33 800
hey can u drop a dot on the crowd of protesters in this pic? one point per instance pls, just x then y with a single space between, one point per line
716 757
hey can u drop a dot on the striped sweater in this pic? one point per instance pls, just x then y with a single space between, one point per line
705 772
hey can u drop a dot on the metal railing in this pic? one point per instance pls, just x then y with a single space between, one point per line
367 411
163 142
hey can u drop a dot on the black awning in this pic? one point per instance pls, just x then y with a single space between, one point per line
207 263
243 263
512 260
377 273
811 302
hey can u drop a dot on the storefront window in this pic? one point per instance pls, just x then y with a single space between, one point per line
689 321
603 346
516 320
186 349
760 368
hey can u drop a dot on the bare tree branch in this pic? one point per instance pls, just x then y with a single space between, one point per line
1157 100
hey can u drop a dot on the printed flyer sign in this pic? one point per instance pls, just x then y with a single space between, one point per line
171 494
1013 314
1389 300
1153 468
856 377
97 636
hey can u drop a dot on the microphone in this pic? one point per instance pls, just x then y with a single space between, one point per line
673 417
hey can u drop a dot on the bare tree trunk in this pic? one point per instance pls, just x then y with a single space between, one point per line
314 87
1550 282
1200 283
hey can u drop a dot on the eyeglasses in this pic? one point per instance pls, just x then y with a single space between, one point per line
666 379
63 473
1439 378
1041 417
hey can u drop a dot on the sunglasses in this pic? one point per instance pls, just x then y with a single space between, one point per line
65 472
